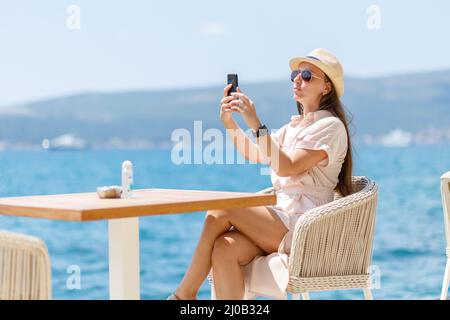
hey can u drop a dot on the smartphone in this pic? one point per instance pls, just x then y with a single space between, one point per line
232 78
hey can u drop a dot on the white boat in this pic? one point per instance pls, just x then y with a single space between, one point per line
397 138
64 142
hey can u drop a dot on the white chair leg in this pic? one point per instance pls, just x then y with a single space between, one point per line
446 281
295 296
367 294
305 296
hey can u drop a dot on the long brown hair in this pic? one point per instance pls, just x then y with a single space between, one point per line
332 103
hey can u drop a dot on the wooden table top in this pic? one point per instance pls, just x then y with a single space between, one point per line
145 202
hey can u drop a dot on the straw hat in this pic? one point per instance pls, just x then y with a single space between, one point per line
328 63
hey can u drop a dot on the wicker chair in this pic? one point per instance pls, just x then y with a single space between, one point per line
445 193
332 244
25 272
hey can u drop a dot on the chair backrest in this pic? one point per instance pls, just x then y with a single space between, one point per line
25 272
445 194
336 239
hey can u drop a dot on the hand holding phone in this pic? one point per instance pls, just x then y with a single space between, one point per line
225 109
233 79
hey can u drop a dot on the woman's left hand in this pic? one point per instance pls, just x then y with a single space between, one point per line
246 107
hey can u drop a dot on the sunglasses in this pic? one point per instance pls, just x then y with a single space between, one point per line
306 75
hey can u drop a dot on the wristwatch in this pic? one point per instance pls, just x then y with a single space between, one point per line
261 131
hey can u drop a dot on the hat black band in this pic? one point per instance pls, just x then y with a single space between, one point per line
313 58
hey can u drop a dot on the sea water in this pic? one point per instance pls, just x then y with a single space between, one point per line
409 244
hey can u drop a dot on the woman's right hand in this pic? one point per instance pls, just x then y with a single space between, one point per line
225 108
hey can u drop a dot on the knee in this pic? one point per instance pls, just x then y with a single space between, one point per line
223 249
215 217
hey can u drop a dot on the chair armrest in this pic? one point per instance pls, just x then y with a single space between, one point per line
335 238
26 265
445 196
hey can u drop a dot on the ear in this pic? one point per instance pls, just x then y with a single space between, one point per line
327 88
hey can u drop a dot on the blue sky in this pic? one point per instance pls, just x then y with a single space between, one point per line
133 45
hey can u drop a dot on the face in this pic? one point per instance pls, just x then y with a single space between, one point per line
310 92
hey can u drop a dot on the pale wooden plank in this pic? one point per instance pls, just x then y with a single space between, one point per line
87 206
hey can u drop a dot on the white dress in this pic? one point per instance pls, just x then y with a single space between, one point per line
320 130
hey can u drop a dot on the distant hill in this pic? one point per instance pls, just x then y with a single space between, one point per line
413 103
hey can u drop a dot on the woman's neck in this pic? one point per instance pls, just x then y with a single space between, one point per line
307 109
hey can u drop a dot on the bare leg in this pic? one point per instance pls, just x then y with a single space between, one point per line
259 224
201 260
232 250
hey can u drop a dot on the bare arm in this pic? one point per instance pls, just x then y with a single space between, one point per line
265 150
284 165
246 147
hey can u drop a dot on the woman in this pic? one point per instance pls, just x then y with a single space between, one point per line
309 157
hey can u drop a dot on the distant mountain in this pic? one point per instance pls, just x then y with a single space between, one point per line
418 104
